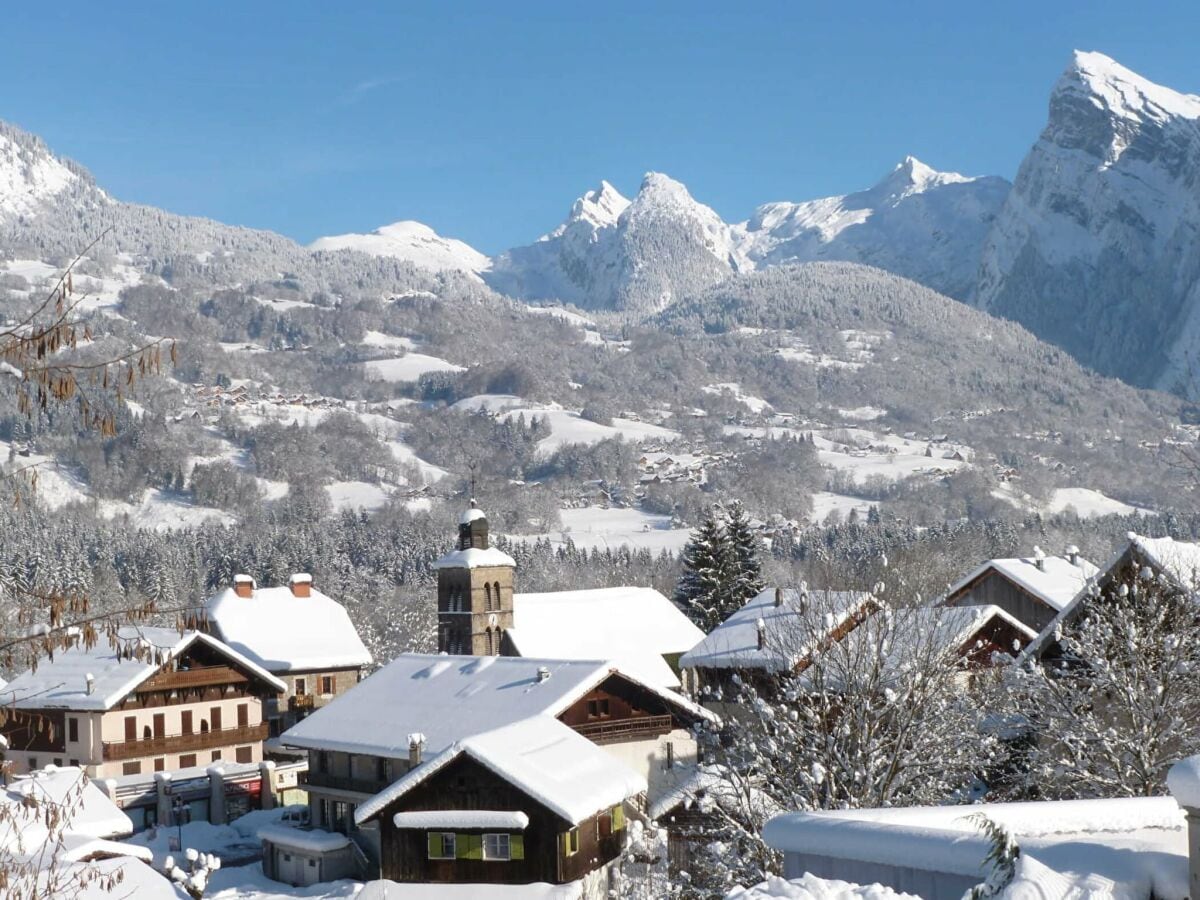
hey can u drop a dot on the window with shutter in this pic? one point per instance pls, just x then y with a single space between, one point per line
496 847
441 845
516 846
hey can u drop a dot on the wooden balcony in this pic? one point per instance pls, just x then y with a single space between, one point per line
346 783
301 702
614 731
191 678
184 743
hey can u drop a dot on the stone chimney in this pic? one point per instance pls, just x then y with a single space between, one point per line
1039 558
243 585
90 680
1073 554
778 597
301 584
416 747
543 674
762 634
1183 780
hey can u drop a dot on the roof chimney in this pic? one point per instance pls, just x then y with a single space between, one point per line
1073 554
762 634
91 683
416 746
301 584
243 585
1039 558
778 597
543 674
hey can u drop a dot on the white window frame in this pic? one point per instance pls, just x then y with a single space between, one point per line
448 839
503 847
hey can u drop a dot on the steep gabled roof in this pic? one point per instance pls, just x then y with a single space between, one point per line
62 682
545 759
634 626
449 698
285 633
1056 582
791 631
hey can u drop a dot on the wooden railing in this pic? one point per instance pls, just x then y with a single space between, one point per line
187 678
301 701
184 743
346 783
611 731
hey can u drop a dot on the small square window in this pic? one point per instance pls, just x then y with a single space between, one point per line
441 845
496 847
571 842
326 684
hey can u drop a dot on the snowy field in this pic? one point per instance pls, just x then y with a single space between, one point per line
1089 504
597 528
826 504
409 367
566 426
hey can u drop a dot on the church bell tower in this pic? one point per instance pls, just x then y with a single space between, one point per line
475 591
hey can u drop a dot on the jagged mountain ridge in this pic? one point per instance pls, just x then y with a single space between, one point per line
1097 247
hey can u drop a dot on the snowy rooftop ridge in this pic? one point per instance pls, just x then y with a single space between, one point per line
1056 582
790 630
474 558
634 626
547 760
450 698
63 682
283 632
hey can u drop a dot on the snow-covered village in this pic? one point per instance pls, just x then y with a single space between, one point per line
411 491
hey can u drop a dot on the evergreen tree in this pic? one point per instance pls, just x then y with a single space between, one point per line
745 575
703 590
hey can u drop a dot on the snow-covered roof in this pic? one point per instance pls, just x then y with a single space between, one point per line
499 819
314 840
545 759
449 698
471 514
62 682
474 558
634 626
285 633
790 631
1056 582
1138 843
93 815
392 890
1178 560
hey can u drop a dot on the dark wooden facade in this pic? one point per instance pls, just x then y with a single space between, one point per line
617 710
466 785
996 636
993 588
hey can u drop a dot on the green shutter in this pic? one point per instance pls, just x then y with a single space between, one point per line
435 845
475 842
516 846
618 817
462 846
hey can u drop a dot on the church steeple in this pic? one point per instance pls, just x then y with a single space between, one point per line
475 591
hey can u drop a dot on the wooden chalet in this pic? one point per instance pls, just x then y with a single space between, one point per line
1033 590
158 702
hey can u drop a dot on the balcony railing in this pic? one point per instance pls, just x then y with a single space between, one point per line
346 783
301 701
188 678
612 731
184 743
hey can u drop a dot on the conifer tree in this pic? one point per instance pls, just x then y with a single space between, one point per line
702 591
745 576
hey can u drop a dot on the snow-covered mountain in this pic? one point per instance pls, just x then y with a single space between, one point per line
611 253
30 176
917 222
412 241
1097 248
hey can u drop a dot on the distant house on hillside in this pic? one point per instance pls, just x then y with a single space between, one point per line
190 701
479 614
297 633
1032 589
419 707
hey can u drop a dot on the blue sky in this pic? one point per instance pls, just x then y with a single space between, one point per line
485 120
